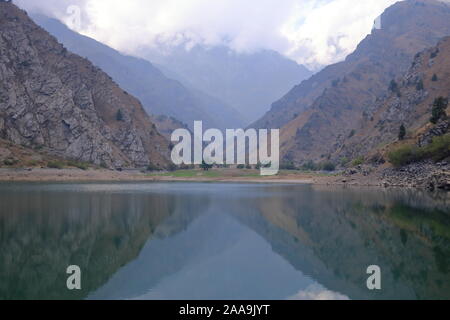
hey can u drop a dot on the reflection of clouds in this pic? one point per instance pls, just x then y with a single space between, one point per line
317 292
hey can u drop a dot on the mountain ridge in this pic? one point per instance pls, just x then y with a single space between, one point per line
319 114
60 102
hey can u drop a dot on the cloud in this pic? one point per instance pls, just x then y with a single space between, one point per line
317 292
312 32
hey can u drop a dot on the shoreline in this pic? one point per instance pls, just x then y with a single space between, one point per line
361 177
77 175
43 175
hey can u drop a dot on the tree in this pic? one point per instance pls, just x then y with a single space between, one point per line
393 86
420 86
438 111
119 115
402 132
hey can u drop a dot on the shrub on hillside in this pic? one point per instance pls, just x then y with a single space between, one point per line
328 166
438 110
438 150
55 165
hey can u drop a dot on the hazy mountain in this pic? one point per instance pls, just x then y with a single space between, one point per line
158 94
248 82
54 100
319 114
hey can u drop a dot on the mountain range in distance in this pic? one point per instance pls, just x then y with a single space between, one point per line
249 82
223 90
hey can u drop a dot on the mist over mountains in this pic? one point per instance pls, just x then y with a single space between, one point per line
247 82
158 94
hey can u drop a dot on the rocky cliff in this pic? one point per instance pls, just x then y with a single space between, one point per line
409 102
57 101
319 114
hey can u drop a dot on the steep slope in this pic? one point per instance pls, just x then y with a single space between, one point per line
158 94
321 112
248 82
410 105
54 100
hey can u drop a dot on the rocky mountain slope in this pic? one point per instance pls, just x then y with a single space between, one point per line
158 94
248 82
53 100
409 103
319 114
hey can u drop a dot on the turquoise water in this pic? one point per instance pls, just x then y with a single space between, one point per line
222 241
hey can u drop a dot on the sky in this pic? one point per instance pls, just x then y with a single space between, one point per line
315 33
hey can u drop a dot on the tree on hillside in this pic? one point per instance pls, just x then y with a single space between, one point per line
393 86
402 132
438 111
420 86
119 115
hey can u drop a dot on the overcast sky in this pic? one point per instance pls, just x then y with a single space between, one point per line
312 32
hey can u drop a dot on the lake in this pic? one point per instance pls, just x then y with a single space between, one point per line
222 241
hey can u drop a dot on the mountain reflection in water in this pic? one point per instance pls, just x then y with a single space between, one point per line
222 241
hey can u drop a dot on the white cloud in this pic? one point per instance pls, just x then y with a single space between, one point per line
313 32
317 292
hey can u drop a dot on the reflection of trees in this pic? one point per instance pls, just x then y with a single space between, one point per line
41 233
334 234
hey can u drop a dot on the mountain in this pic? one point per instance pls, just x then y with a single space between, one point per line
158 94
59 102
319 114
248 82
409 103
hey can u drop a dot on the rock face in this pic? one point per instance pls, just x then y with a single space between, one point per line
318 115
54 100
409 104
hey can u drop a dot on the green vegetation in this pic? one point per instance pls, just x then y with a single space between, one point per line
438 150
55 165
241 166
358 161
288 166
402 133
438 112
310 166
420 86
434 54
328 166
33 163
119 115
10 162
394 88
344 161
79 165
352 133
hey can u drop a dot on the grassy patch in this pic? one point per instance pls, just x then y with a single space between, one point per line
55 165
438 150
78 165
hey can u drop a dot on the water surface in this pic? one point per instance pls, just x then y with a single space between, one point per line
222 241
